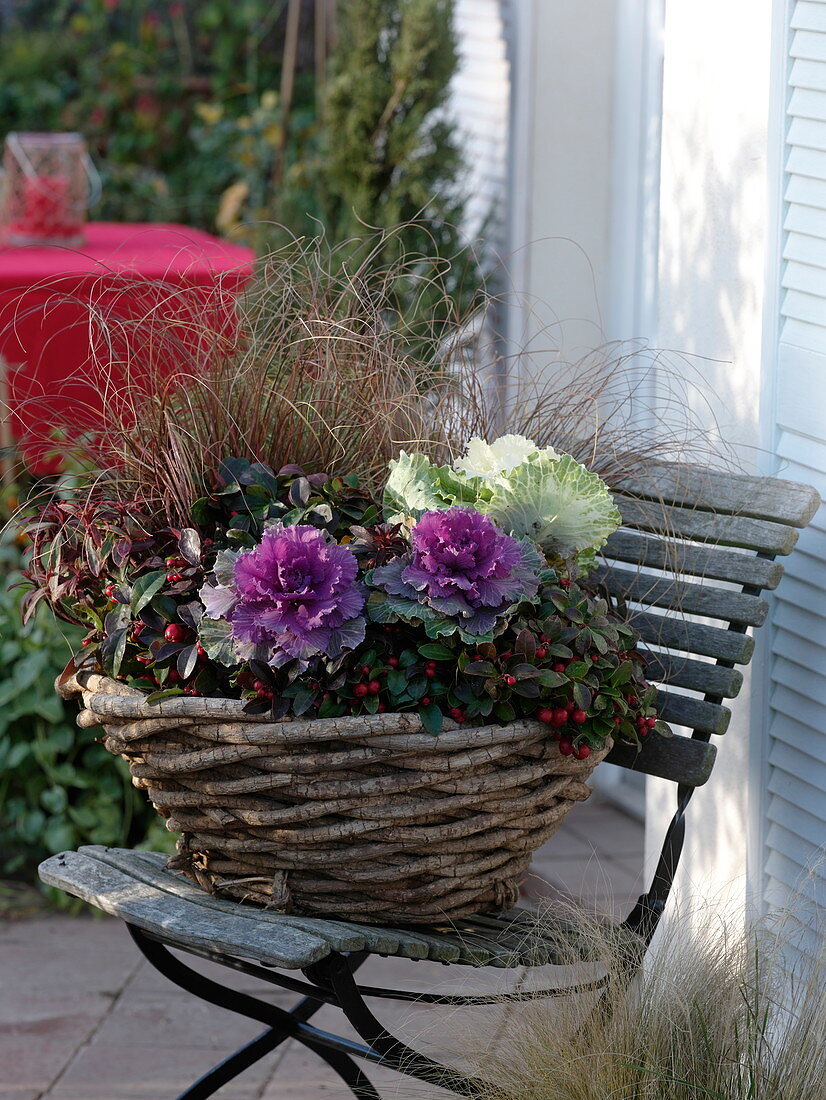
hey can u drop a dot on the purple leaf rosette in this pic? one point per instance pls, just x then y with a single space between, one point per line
463 574
294 597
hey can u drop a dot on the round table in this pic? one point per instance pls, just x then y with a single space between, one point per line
51 299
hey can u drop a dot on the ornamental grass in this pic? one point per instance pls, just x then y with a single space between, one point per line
718 1012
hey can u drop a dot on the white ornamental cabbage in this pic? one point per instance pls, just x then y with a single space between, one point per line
556 502
482 459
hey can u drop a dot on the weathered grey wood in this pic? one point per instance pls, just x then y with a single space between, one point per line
150 867
721 491
138 888
671 632
685 672
696 714
683 596
134 901
676 758
760 535
709 562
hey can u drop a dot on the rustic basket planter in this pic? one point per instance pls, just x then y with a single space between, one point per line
366 818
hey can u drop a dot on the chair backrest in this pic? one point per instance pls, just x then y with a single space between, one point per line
695 551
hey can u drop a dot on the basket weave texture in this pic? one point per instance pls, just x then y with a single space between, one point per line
364 818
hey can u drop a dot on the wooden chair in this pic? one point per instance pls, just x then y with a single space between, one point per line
696 545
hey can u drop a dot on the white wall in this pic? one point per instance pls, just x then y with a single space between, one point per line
561 193
713 251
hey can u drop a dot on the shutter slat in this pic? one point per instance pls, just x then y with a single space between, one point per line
805 249
791 844
806 162
809 16
799 765
804 277
808 104
797 820
802 334
806 219
808 74
809 685
805 192
810 45
803 307
807 133
792 733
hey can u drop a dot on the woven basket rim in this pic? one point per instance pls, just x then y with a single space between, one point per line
112 698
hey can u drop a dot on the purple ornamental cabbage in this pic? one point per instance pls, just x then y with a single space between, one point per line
294 596
463 574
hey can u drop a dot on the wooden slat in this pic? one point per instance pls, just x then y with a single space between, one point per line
677 758
150 867
703 676
137 887
695 714
763 536
671 632
720 491
684 596
123 896
713 562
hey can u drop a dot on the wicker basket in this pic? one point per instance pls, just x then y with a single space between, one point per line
366 818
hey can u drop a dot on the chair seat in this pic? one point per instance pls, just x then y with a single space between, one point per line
141 890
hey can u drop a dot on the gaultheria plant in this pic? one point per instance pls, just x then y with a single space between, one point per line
463 575
294 597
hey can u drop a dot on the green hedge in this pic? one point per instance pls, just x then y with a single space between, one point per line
59 788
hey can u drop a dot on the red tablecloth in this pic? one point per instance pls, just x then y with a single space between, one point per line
51 298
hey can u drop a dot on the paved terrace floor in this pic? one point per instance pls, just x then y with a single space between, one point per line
83 1017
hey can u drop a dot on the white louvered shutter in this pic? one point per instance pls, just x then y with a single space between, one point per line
796 834
480 105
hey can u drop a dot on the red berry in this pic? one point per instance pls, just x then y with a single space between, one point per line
564 582
583 752
618 721
137 630
173 676
544 714
144 658
259 686
595 657
560 717
382 708
579 716
173 577
430 673
566 748
374 687
541 653
365 670
201 651
559 667
393 662
457 714
87 642
360 690
110 591
651 722
425 700
431 664
570 706
175 632
504 656
509 680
